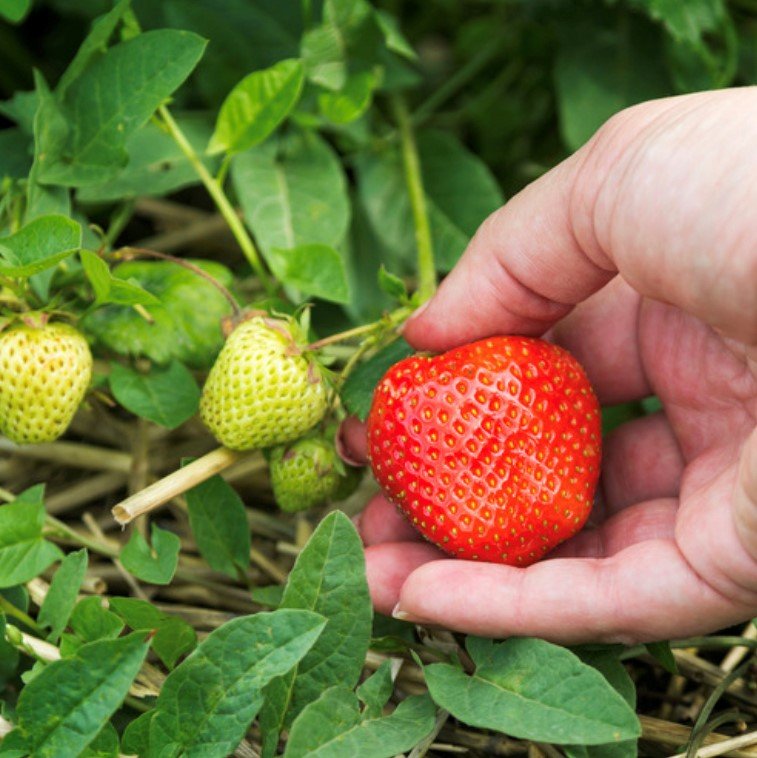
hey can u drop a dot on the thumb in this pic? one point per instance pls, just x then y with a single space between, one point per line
637 198
522 271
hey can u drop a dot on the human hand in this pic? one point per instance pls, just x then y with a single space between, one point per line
639 254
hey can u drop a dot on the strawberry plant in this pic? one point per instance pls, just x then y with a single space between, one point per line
215 218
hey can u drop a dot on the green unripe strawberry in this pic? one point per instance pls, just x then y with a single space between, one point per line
262 390
44 372
309 472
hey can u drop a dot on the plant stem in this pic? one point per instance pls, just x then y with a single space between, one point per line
10 610
457 81
96 546
219 197
388 322
118 221
426 267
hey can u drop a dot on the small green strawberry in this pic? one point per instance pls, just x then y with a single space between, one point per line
44 372
310 472
262 390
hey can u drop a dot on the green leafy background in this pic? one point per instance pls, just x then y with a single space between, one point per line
218 622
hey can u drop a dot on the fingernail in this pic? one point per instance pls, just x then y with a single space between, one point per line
342 448
400 615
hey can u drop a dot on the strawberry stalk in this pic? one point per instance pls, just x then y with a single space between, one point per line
215 190
425 249
386 323
173 485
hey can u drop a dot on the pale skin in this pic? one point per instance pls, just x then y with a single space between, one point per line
639 254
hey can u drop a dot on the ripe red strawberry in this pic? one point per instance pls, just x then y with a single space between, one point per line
492 450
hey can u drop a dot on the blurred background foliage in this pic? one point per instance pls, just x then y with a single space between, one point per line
521 82
498 92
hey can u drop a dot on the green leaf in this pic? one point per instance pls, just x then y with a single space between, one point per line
323 56
136 737
39 245
110 289
21 108
156 565
313 269
376 690
687 21
243 36
603 67
332 727
393 36
460 193
364 255
24 554
156 164
608 664
61 597
256 106
186 325
662 653
105 745
64 707
167 396
9 656
349 39
534 690
351 101
708 64
15 160
91 621
112 98
270 596
207 703
357 391
392 285
14 10
94 45
219 525
328 578
50 129
293 192
172 638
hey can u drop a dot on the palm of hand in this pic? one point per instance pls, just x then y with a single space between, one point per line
665 557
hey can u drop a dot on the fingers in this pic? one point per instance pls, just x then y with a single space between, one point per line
646 592
745 496
602 333
512 277
638 199
388 566
391 560
651 520
381 521
352 442
641 461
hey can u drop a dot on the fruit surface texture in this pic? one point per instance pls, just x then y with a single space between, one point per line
261 390
44 373
491 450
309 472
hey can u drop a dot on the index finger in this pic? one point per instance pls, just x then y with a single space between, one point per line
646 592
